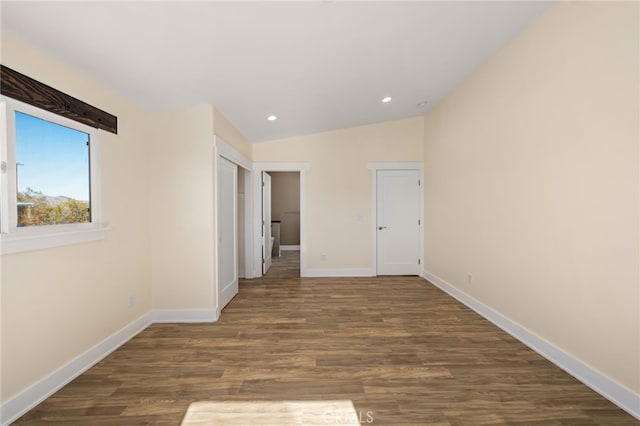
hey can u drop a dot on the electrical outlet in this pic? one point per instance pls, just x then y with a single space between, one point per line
132 301
323 256
469 278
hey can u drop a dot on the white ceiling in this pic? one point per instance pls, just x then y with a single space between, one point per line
316 65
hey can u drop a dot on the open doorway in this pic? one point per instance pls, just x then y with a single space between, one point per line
279 220
285 224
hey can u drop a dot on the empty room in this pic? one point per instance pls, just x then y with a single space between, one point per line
320 213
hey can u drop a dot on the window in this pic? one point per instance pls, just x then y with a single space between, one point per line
50 193
52 172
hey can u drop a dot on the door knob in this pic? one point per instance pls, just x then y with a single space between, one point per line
380 228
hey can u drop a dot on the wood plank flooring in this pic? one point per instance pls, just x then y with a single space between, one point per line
397 350
287 265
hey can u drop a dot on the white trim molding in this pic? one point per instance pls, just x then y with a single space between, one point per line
24 401
185 315
614 392
400 165
15 239
289 248
230 153
224 150
258 168
374 167
13 243
20 404
357 272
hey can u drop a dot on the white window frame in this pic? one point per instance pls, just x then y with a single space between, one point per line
14 239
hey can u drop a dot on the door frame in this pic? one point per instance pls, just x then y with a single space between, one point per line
266 227
374 167
226 151
223 163
258 168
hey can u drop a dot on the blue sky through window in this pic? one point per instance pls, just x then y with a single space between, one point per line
51 158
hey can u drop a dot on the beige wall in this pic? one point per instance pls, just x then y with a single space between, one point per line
531 184
182 223
182 201
227 131
183 172
158 188
338 184
285 205
57 303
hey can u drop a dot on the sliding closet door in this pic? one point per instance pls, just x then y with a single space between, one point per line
227 231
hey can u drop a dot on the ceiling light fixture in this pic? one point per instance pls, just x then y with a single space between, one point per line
421 104
386 99
272 118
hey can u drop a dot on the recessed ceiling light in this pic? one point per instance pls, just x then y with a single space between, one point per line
272 118
386 99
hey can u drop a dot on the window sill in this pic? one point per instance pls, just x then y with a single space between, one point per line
19 242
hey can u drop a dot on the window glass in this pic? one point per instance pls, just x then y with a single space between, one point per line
52 173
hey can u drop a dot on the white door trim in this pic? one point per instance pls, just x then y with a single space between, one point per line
223 149
227 215
266 222
258 168
232 154
402 165
374 167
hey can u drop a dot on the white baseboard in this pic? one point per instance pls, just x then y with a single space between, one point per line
24 401
614 392
21 403
289 248
185 315
364 272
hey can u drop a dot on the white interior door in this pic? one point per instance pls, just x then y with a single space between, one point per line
227 178
266 222
398 222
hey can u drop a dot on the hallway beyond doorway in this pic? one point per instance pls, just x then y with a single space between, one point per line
287 265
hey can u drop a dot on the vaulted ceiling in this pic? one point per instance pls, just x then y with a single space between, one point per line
315 65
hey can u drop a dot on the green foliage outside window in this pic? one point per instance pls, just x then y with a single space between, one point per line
35 208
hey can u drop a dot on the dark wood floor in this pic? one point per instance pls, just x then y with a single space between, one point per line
398 349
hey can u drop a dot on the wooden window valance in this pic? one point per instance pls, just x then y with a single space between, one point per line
25 89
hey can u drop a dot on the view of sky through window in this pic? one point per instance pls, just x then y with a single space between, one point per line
51 159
